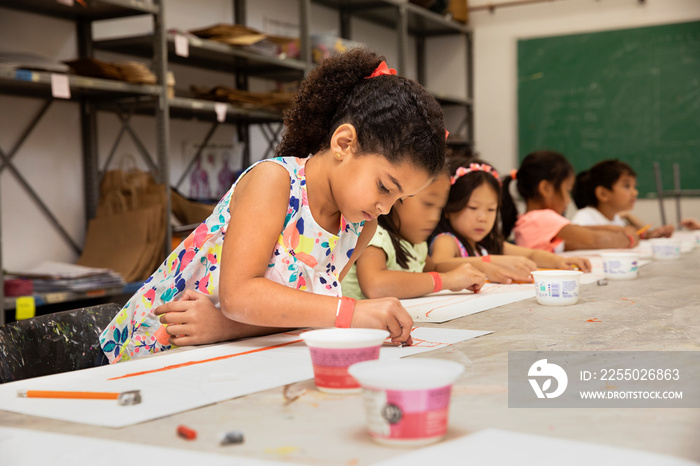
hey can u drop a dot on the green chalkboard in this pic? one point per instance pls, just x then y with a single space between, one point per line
631 94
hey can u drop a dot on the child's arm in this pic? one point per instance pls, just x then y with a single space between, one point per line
597 237
546 259
446 257
664 231
194 320
376 281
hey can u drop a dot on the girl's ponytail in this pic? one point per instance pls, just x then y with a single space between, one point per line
583 191
509 211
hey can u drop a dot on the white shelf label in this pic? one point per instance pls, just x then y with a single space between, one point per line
220 109
182 46
60 89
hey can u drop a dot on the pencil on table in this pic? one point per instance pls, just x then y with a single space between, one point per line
63 394
643 230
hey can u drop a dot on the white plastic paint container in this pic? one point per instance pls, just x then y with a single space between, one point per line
407 401
666 248
557 287
333 350
620 265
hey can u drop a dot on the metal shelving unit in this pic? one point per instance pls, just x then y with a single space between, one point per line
212 55
407 20
88 93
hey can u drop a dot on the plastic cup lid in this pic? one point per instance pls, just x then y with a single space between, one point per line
556 273
406 374
344 337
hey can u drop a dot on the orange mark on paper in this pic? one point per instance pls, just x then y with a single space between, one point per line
193 363
595 319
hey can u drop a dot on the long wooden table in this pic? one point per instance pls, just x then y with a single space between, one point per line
660 310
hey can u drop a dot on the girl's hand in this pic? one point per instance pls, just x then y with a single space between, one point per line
691 223
194 320
385 314
517 267
497 274
661 232
568 263
464 277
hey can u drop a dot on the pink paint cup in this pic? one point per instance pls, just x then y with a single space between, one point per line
333 350
407 401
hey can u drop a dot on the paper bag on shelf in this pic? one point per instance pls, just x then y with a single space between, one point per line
128 233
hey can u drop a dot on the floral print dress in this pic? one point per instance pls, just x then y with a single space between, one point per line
305 257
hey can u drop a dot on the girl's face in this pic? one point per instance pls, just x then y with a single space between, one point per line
476 220
623 195
369 185
560 200
420 214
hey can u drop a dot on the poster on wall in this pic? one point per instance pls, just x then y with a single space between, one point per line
211 174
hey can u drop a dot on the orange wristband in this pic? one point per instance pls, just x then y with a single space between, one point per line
437 281
631 238
343 316
486 258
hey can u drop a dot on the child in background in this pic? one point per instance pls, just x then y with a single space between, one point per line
396 262
469 230
604 195
273 253
544 181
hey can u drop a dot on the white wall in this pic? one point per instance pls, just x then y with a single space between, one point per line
495 62
51 158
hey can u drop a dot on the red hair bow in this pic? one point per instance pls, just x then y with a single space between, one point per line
382 69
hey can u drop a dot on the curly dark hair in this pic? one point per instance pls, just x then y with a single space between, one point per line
605 174
460 193
392 115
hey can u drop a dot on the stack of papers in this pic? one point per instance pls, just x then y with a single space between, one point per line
52 276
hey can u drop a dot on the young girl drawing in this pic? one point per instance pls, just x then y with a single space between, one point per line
606 193
274 251
544 181
396 262
469 230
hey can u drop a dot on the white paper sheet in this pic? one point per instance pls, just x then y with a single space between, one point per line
447 305
179 381
18 447
497 447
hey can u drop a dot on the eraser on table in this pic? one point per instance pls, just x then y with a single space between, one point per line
186 432
229 438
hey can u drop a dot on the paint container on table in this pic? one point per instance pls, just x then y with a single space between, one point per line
333 350
666 248
407 401
557 287
620 265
